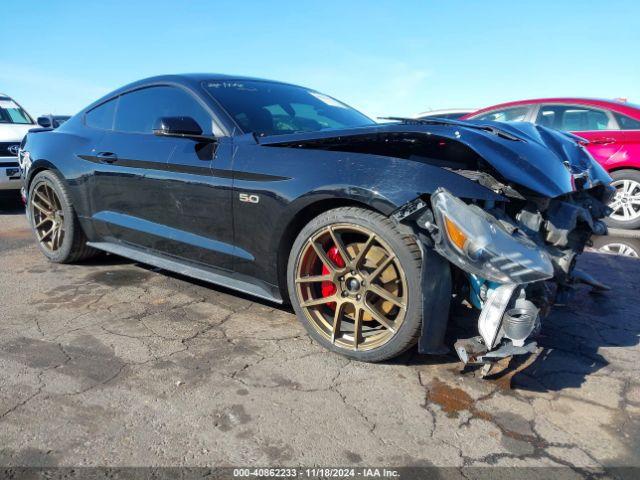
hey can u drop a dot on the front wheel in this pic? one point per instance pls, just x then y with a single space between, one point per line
626 203
354 282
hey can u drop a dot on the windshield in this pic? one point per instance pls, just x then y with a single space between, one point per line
267 108
10 112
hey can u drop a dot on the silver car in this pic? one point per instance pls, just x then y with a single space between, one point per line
15 122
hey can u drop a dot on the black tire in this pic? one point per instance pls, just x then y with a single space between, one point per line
73 247
618 176
403 243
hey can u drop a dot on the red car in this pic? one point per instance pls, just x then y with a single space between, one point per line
612 129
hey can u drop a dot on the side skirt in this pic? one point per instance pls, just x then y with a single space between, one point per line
223 279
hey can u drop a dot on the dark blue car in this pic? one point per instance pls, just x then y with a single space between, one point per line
288 194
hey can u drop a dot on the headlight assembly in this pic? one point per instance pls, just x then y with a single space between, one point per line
477 243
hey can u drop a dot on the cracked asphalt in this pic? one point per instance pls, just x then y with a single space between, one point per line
112 363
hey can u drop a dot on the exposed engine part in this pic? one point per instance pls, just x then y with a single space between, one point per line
490 182
520 321
563 218
532 221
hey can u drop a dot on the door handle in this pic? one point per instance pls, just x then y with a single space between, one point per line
107 157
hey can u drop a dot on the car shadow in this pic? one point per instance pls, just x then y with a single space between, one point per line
11 203
104 258
572 341
591 332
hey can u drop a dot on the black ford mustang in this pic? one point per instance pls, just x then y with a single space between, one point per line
368 229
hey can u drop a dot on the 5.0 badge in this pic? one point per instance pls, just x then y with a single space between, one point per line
249 198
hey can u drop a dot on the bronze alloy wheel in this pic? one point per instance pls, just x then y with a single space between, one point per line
48 217
351 287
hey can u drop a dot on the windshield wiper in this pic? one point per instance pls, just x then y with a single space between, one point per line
458 123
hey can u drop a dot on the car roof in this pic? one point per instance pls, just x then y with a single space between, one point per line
615 105
195 78
187 79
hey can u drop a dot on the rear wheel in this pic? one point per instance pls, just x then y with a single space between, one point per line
354 282
54 222
626 203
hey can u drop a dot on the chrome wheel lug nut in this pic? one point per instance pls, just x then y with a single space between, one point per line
358 297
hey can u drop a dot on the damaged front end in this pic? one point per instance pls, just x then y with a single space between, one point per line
507 258
501 211
499 260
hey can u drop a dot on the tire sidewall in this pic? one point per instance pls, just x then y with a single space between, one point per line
406 334
52 180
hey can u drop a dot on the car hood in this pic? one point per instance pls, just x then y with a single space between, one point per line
11 132
543 160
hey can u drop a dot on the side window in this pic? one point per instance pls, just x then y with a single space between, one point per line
515 114
138 110
101 117
573 118
627 123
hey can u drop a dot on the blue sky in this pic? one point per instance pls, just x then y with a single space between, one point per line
383 57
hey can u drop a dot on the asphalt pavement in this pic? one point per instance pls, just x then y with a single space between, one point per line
113 363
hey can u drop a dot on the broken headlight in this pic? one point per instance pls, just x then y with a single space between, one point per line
477 243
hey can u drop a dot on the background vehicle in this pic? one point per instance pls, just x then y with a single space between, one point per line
449 113
288 194
625 246
15 122
52 121
612 129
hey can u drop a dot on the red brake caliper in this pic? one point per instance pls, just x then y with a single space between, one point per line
329 288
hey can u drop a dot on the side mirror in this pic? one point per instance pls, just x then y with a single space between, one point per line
44 122
184 127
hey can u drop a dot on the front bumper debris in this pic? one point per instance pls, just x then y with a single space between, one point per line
506 321
473 351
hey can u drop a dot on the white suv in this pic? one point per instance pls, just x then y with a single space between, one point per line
15 122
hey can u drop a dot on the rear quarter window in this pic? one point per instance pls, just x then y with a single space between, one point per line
102 116
626 123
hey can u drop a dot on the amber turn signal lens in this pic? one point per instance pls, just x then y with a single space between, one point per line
455 234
